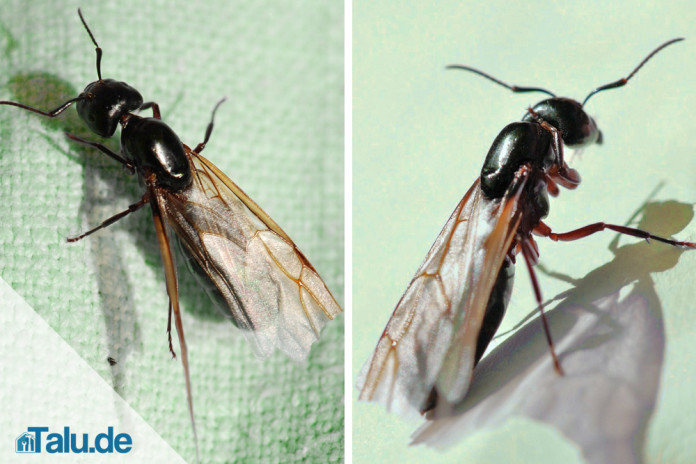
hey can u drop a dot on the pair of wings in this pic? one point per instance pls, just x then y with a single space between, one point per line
430 339
272 292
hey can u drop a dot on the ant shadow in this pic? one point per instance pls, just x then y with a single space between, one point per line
609 334
105 182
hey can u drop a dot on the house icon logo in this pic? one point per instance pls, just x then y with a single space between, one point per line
25 443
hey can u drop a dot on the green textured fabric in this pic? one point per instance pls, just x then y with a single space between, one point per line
279 136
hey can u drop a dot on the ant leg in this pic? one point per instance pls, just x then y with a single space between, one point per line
169 331
155 109
545 230
209 130
564 175
529 258
132 208
103 149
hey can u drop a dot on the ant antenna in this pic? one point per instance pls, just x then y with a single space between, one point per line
91 36
514 88
209 129
624 80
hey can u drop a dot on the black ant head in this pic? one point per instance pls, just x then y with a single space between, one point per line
103 102
577 128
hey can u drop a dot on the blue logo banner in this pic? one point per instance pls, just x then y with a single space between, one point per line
38 440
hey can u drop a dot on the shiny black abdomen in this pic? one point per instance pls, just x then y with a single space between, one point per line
495 310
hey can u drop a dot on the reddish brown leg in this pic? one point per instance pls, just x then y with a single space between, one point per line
169 331
545 230
114 218
551 187
173 292
155 109
557 140
528 254
567 177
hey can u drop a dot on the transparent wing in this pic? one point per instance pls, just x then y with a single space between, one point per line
273 293
448 295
